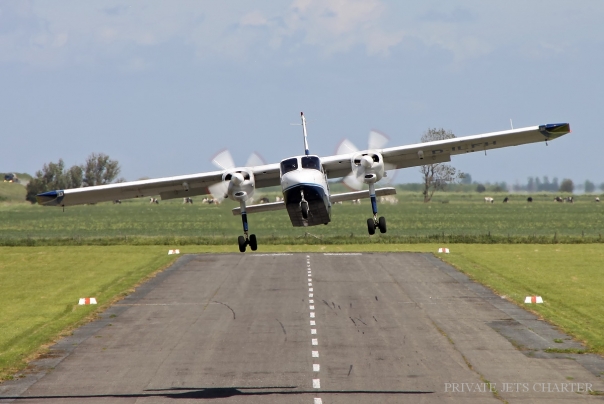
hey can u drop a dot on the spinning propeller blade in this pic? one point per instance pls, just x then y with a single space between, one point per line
377 140
223 160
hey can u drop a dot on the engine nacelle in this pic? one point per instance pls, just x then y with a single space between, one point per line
241 184
368 166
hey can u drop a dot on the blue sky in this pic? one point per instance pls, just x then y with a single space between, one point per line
162 86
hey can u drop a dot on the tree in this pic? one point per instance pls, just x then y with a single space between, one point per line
437 176
466 178
480 188
589 186
99 169
567 186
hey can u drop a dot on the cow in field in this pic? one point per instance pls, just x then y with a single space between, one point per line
529 199
187 200
488 199
558 199
597 199
506 199
153 200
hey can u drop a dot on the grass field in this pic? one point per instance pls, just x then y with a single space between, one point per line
40 286
450 214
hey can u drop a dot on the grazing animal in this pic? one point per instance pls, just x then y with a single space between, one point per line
356 201
488 199
278 199
597 199
529 199
558 199
388 199
264 200
117 201
569 199
187 200
506 199
153 200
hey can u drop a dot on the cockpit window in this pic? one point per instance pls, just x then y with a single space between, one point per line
312 162
289 165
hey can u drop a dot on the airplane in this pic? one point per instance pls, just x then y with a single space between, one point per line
304 178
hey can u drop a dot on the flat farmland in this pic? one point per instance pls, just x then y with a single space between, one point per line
450 214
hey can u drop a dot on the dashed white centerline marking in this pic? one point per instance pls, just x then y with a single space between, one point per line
313 331
316 383
312 307
310 295
312 322
312 315
309 283
315 341
318 401
315 354
310 290
311 301
316 367
310 279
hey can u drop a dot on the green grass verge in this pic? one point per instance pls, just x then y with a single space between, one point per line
568 277
40 289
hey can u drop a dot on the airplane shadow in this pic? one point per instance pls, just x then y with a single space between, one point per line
201 393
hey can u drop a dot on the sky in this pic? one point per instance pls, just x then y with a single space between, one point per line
162 86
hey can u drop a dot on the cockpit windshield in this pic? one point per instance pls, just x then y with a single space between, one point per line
312 162
289 165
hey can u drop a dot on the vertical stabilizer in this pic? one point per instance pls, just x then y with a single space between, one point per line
306 151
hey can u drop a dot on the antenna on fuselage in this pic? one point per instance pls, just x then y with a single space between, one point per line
306 151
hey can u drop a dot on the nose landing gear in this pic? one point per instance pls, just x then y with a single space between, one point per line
304 209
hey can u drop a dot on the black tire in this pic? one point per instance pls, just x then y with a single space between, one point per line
242 243
382 224
253 242
371 227
304 208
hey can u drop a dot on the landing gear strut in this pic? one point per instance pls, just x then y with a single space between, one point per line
375 222
246 240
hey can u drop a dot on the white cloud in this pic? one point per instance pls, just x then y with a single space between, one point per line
66 32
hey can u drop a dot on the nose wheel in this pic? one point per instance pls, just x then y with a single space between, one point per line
244 241
372 224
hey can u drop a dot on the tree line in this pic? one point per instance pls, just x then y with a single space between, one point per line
99 169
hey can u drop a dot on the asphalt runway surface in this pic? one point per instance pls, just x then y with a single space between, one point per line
311 328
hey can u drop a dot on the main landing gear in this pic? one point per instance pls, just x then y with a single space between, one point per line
246 240
375 222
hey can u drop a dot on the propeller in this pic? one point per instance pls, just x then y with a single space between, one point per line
224 161
363 163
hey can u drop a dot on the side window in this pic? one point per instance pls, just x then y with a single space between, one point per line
289 165
311 162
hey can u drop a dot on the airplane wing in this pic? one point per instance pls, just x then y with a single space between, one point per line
441 151
335 167
168 188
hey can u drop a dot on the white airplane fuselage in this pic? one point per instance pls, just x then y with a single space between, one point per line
304 183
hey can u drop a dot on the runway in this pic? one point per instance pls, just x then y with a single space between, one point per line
311 328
